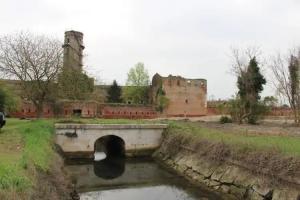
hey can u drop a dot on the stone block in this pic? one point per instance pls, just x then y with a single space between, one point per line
286 194
218 173
238 192
225 188
231 175
262 188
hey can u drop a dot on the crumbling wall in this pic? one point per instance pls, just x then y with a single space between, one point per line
187 97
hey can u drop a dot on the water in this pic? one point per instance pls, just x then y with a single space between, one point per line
98 156
132 179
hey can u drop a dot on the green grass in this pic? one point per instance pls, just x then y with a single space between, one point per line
288 145
24 144
12 178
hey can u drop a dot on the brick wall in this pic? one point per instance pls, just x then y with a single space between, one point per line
89 109
128 112
28 110
187 97
276 111
287 112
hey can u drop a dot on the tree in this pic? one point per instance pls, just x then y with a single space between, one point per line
161 100
286 80
9 101
35 60
137 85
138 76
136 94
235 109
114 93
250 84
270 101
74 84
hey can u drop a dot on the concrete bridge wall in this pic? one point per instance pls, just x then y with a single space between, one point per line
78 140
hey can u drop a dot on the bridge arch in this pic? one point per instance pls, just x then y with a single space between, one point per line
111 145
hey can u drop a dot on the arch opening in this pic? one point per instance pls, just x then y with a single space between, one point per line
111 145
110 168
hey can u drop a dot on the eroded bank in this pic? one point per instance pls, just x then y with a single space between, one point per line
242 171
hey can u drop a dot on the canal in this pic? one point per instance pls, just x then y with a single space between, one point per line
132 179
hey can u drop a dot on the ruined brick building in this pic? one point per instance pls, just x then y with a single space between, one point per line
186 97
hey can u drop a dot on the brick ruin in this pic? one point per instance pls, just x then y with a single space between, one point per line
187 97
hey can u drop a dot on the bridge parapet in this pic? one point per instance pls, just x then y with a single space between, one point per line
78 140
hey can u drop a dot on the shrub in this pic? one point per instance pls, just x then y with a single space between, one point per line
225 119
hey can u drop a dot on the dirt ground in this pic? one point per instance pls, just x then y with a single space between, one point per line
269 126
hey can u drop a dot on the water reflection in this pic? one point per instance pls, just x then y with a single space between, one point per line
161 192
109 168
134 179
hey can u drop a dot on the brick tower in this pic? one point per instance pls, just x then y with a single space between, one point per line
73 50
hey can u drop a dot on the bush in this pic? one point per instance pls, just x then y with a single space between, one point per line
225 119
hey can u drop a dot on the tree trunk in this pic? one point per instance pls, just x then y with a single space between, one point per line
39 109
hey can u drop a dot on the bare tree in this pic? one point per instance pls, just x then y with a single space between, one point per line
240 58
35 60
286 80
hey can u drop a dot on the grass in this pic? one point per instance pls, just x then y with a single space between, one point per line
288 145
25 145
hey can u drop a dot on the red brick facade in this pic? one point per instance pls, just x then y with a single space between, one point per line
129 112
212 109
28 110
87 109
279 111
187 97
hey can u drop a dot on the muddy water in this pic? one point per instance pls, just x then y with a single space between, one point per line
132 179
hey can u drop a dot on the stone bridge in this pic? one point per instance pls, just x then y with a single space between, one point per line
83 140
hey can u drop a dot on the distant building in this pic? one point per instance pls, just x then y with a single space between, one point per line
73 50
187 97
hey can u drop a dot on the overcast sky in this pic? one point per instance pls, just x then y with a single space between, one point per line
191 38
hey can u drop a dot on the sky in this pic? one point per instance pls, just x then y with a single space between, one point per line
190 38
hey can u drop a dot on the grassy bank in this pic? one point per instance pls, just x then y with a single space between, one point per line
25 147
26 150
287 145
277 157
